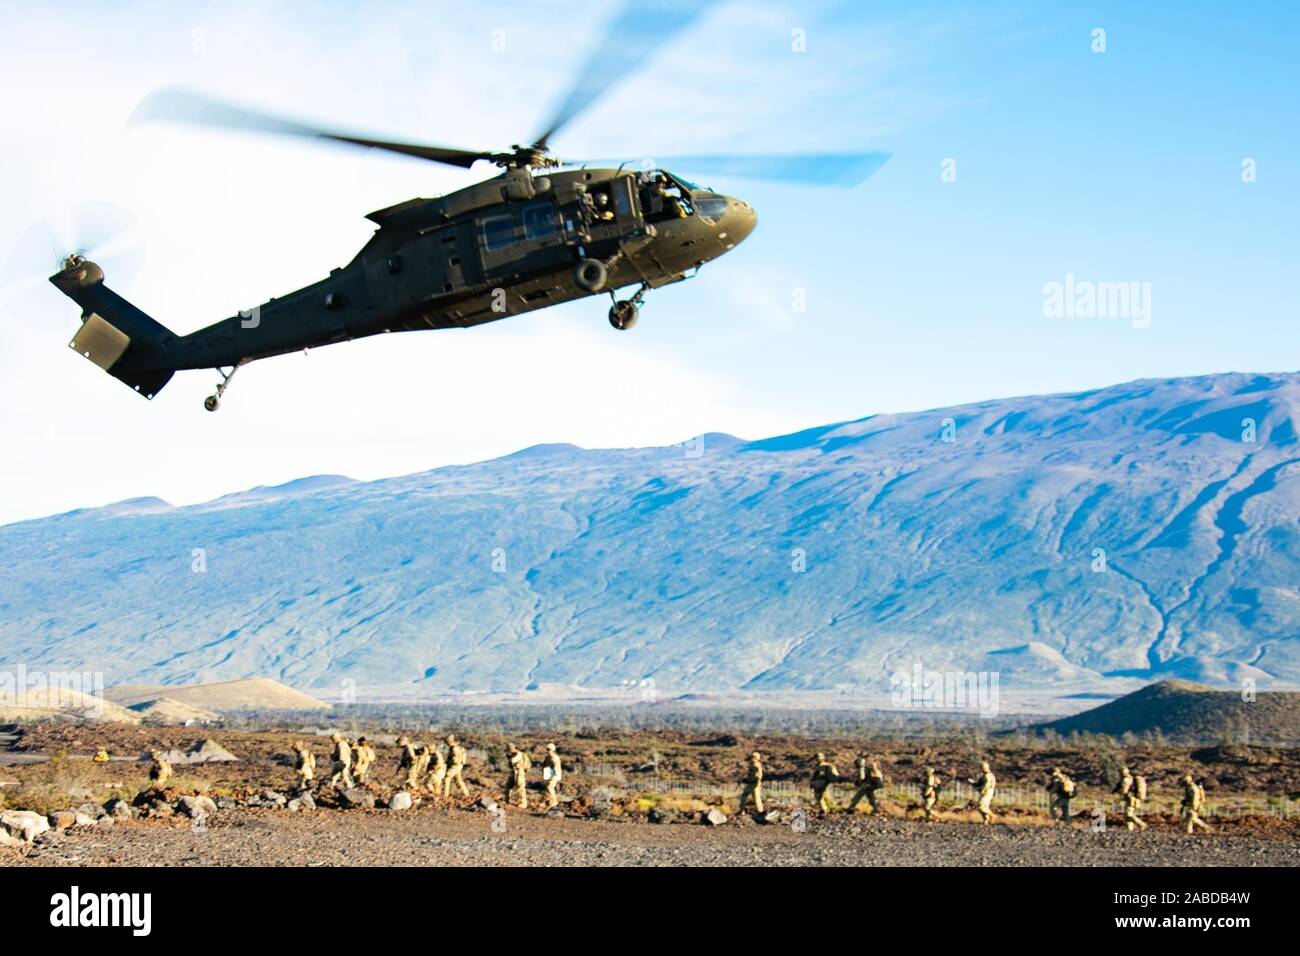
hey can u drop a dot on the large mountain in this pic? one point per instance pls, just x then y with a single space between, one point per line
1086 540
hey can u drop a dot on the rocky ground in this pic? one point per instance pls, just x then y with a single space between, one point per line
630 799
428 836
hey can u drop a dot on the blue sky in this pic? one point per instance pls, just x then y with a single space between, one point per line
1115 166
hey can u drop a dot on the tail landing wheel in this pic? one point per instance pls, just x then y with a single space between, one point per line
213 402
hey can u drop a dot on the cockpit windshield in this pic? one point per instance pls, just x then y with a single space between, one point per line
663 197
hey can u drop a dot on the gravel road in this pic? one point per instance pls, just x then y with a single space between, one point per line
430 836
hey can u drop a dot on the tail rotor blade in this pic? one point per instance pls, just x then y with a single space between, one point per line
106 232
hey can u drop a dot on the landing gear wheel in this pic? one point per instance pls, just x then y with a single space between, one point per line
213 402
623 315
590 275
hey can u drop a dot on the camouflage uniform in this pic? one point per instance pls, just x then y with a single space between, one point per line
304 765
988 785
438 771
1193 801
1060 790
930 791
1127 788
422 758
407 761
871 780
455 764
824 774
365 757
520 763
753 788
342 771
160 771
554 765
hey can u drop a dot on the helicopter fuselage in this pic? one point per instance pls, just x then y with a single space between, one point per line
513 244
501 248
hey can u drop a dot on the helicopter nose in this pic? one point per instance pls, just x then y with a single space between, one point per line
738 223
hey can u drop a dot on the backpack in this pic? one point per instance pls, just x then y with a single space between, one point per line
1140 787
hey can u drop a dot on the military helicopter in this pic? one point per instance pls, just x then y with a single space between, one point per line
541 232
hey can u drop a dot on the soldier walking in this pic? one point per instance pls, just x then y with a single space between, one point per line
930 785
438 770
456 758
1060 790
520 763
304 765
160 771
1132 790
1193 802
823 776
342 770
987 785
365 757
407 761
871 780
753 788
552 770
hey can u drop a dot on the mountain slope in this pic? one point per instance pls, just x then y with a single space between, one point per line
1184 711
1127 532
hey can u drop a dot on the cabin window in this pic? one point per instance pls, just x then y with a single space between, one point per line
623 197
498 232
539 221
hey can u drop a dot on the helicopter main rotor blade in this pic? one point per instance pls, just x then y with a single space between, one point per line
818 169
180 106
633 36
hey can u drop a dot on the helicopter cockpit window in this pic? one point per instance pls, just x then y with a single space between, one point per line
710 206
539 221
498 232
664 199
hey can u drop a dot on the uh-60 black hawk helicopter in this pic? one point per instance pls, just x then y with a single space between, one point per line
535 235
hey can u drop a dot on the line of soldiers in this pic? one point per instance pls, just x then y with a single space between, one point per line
423 765
870 782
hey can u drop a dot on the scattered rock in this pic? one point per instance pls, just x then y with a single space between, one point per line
400 801
119 808
25 825
714 818
83 820
661 815
196 806
12 843
307 800
93 810
226 803
159 808
770 816
357 799
484 803
62 820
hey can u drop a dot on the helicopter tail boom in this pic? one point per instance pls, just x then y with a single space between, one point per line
114 334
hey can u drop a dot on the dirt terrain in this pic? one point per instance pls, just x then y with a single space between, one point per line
427 836
618 784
